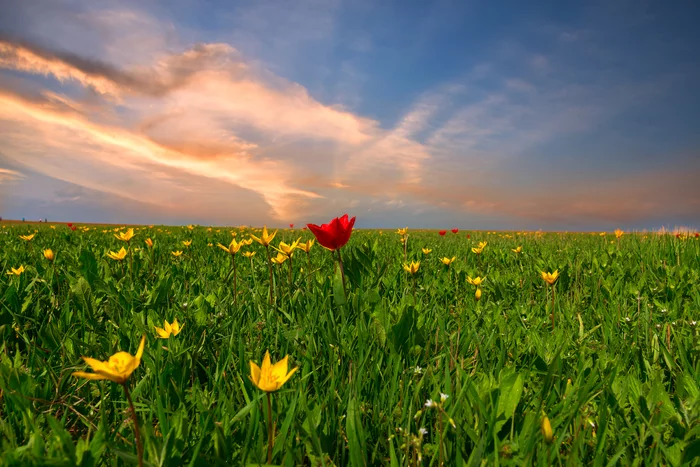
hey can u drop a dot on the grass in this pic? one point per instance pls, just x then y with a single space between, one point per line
617 377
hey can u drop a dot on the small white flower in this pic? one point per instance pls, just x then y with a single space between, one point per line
627 318
418 370
658 326
663 310
423 431
443 397
693 323
429 403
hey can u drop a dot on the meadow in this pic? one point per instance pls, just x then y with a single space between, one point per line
478 362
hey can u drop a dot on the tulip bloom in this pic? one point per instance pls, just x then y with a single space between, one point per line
49 255
16 271
264 239
477 281
280 258
477 294
27 238
125 236
427 251
517 250
454 231
288 249
119 256
619 233
232 248
118 368
187 242
447 261
550 277
306 247
412 267
291 226
169 329
248 254
149 243
335 234
177 253
442 233
402 232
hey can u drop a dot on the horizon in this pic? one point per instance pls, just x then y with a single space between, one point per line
574 118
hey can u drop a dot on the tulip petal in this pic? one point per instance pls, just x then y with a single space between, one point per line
266 362
254 373
279 369
287 376
93 376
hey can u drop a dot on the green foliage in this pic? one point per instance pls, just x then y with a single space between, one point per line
617 377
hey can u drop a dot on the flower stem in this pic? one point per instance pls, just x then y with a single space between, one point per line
269 267
342 273
270 430
139 446
235 279
553 296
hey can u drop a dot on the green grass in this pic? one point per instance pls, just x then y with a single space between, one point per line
617 378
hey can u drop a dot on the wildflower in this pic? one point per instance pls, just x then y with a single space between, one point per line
280 258
306 246
418 370
442 233
247 242
402 232
187 242
27 238
125 236
430 403
547 430
477 281
517 250
443 397
619 233
422 431
264 239
477 294
119 256
335 234
169 329
270 377
288 249
149 243
477 250
427 251
49 255
291 226
412 267
447 261
602 234
16 271
118 368
248 254
232 248
454 231
550 277
191 227
177 253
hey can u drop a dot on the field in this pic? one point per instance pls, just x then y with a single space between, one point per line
394 368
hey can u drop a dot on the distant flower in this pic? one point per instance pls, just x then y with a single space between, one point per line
454 231
306 246
280 258
149 243
270 377
232 248
422 431
27 238
430 403
187 242
118 368
619 233
412 267
49 255
477 281
176 253
517 250
335 234
169 329
550 277
71 227
16 271
291 226
447 261
442 233
248 254
427 251
402 232
288 249
118 256
264 239
125 236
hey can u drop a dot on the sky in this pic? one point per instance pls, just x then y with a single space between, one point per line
429 114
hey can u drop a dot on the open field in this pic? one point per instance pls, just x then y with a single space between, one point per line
394 368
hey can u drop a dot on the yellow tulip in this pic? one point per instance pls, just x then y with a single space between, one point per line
412 267
427 251
306 246
248 254
187 242
125 236
169 329
550 277
517 250
447 261
49 255
149 243
619 233
477 281
270 377
547 430
402 232
16 272
264 239
477 294
27 238
280 258
177 253
118 368
233 247
288 249
119 256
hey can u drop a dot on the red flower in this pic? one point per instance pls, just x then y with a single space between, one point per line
678 235
71 226
455 230
697 235
469 236
334 234
291 226
442 232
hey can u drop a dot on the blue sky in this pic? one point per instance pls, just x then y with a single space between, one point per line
483 115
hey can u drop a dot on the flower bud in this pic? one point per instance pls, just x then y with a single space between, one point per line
477 294
547 430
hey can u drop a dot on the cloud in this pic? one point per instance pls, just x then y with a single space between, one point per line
7 175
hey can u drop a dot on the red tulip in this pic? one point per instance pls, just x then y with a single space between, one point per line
469 236
291 226
334 234
71 226
697 235
678 235
442 232
455 230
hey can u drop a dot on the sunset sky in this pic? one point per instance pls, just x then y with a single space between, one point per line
431 114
